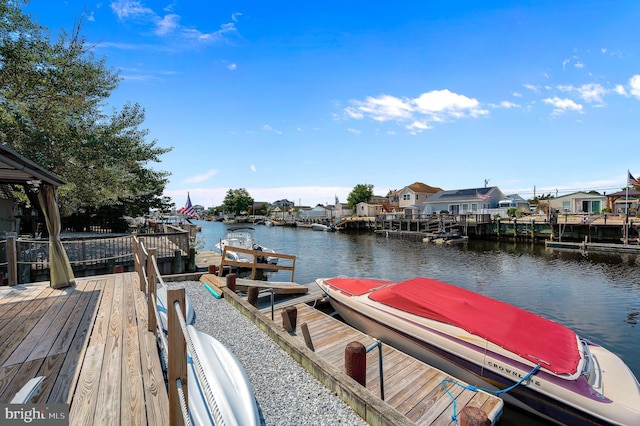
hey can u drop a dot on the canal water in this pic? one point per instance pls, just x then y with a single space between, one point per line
597 295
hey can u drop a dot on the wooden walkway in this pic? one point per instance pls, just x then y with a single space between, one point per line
92 345
410 386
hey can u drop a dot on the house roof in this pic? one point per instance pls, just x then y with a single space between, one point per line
460 194
14 168
423 188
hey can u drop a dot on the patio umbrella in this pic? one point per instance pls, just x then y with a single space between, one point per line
61 272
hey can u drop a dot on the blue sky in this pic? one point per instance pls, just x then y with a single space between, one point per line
305 100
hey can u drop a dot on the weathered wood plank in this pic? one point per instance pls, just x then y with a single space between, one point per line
26 372
109 391
73 322
59 323
28 342
50 369
101 323
117 306
70 371
15 300
83 404
129 301
155 392
132 406
6 376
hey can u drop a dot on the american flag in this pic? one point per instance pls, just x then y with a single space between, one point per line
188 210
483 197
632 181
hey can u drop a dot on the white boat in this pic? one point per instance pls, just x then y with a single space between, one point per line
323 227
491 344
243 238
161 305
226 397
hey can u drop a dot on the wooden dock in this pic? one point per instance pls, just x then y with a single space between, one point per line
410 386
412 389
91 343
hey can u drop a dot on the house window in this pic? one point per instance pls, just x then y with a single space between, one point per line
406 197
566 206
474 207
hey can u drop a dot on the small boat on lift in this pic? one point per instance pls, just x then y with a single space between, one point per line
242 237
560 376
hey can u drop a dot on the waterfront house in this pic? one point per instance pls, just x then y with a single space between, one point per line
463 201
624 201
369 209
317 212
415 194
579 202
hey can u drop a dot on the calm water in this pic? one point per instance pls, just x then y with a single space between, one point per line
597 295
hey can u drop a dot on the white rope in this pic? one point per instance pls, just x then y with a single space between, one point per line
211 401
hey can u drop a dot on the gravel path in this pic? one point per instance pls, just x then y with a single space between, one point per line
286 393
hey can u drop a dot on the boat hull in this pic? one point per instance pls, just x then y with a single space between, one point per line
230 386
459 356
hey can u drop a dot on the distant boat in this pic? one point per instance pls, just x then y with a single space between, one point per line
323 227
493 345
242 237
446 237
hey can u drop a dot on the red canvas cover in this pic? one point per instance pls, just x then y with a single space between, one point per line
533 337
355 286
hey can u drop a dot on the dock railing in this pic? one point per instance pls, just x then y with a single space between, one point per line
174 344
255 265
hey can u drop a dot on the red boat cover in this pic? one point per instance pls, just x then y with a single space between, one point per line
356 286
532 337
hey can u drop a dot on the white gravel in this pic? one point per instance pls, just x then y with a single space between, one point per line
287 394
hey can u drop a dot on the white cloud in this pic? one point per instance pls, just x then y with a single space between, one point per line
354 131
434 106
170 23
268 128
620 90
560 106
201 178
253 168
232 67
505 104
167 24
634 84
579 65
130 9
564 64
591 92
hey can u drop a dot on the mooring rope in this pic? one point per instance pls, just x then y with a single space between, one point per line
454 417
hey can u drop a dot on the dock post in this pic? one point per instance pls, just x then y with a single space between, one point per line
290 318
252 296
213 269
177 368
177 261
473 416
355 362
231 282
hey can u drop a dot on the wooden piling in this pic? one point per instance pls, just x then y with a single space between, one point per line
473 416
231 282
355 362
213 269
252 296
177 368
290 318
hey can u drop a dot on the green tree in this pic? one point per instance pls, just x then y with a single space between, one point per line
53 111
237 201
361 193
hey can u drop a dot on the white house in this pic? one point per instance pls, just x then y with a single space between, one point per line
579 202
416 193
366 209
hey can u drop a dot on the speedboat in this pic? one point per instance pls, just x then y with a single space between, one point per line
242 237
323 227
225 396
487 343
